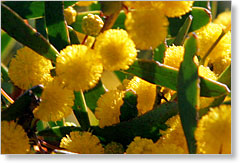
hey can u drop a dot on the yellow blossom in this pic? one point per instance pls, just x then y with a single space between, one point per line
108 108
138 4
116 48
14 140
142 146
147 28
114 148
82 143
70 15
78 67
223 18
84 3
174 56
173 8
207 35
146 94
92 24
29 69
174 135
213 133
56 102
170 149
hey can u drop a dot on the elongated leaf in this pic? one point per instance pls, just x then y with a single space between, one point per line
120 21
7 44
93 95
158 53
160 74
73 36
55 134
41 26
56 25
146 126
204 4
188 93
14 25
31 9
23 105
182 33
201 17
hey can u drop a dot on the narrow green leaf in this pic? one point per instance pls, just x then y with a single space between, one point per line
204 4
201 17
31 9
182 33
56 25
95 6
4 73
129 108
15 26
121 75
146 126
55 134
158 53
162 75
119 24
93 95
188 93
73 36
41 26
7 44
23 105
80 110
225 77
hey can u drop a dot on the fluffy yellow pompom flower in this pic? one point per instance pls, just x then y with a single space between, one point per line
56 102
224 18
174 8
138 4
84 3
207 35
82 143
14 140
116 48
174 135
108 108
146 94
142 146
29 69
147 28
174 56
170 149
70 15
213 133
92 24
78 67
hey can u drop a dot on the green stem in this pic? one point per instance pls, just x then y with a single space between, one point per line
80 110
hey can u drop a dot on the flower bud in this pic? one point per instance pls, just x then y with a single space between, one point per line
92 24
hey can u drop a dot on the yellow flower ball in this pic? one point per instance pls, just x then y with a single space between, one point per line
56 102
14 140
92 24
116 48
142 146
108 108
147 28
28 69
170 149
82 143
138 4
174 135
213 133
223 18
220 64
207 35
174 56
78 67
146 94
173 8
70 15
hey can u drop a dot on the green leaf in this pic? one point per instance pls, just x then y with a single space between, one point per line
23 105
162 75
201 17
31 9
80 110
129 108
119 24
95 6
182 33
56 26
41 26
73 36
55 134
204 4
158 53
188 93
93 95
145 126
7 44
15 26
